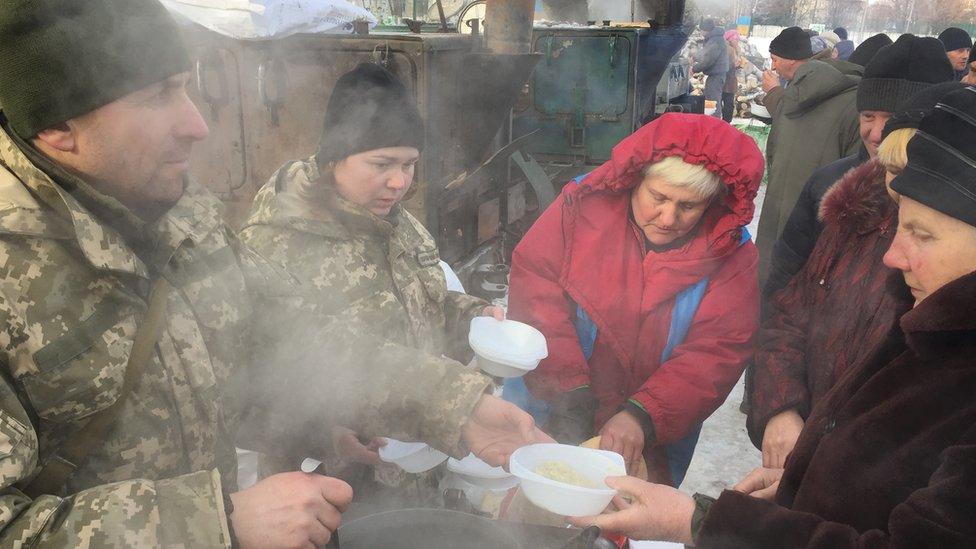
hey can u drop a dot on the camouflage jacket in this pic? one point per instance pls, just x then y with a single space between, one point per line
376 286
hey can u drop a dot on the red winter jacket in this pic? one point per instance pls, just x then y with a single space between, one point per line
586 250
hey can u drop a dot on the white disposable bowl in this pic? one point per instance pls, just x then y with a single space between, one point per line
480 474
506 348
559 497
412 457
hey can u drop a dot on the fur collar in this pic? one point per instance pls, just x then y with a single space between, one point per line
858 200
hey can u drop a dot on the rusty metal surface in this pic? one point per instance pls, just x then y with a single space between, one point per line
508 25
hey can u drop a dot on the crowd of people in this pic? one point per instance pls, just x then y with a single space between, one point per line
143 338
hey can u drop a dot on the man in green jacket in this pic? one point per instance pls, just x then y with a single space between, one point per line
126 310
815 122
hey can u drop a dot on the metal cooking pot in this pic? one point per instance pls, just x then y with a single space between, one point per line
424 529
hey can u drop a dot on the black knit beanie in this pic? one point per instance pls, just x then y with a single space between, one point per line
910 112
791 43
842 32
941 169
865 52
954 38
369 109
900 70
60 59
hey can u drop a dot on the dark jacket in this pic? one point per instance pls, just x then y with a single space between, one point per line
586 251
835 309
888 459
803 227
844 49
713 57
814 124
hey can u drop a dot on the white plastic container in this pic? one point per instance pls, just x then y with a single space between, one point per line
559 497
506 348
412 457
480 474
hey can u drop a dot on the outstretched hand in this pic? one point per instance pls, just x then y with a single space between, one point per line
497 428
761 483
658 512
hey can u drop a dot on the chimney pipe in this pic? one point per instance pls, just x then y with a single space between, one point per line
508 26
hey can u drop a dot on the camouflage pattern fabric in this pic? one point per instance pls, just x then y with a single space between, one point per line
72 295
375 286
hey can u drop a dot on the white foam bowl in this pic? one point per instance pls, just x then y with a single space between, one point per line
412 457
478 473
559 497
506 348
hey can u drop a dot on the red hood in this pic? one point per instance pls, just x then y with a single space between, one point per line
697 139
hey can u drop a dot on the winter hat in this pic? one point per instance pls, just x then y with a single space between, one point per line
707 25
844 49
732 36
900 70
841 32
941 169
369 109
830 38
791 43
817 44
911 111
864 53
61 59
955 38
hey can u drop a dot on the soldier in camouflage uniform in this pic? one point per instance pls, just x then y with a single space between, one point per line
365 260
95 130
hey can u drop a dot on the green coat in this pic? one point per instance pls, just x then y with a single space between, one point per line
379 278
73 294
815 122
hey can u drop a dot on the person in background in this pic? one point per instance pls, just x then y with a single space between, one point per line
844 47
836 307
865 51
814 123
895 73
643 281
888 458
830 41
713 60
336 222
731 78
958 44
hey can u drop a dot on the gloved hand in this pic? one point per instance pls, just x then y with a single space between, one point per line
571 416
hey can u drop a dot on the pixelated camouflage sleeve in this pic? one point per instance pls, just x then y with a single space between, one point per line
183 511
459 309
385 389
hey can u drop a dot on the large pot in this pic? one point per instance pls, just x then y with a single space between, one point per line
424 529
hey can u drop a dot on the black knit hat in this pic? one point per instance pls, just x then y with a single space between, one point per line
60 59
791 43
941 169
842 32
910 112
369 109
900 70
954 38
865 52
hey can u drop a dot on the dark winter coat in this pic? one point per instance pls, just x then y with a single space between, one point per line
713 57
888 459
835 309
844 49
815 123
585 250
793 247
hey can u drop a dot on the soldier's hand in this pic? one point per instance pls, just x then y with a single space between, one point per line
497 428
346 443
289 510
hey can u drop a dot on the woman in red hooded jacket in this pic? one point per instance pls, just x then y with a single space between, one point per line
643 280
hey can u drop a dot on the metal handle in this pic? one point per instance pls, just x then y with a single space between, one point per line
277 71
215 102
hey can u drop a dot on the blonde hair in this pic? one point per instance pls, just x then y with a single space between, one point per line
893 151
679 173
